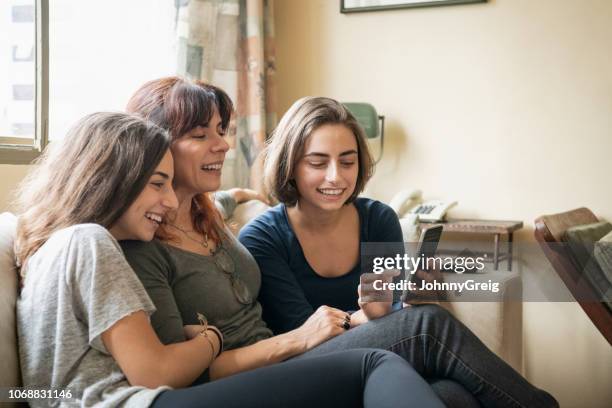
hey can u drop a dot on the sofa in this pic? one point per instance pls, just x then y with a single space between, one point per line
497 323
9 374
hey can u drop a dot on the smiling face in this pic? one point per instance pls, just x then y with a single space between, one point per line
198 157
143 217
326 174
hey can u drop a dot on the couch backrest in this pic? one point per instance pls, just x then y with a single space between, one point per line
9 374
245 212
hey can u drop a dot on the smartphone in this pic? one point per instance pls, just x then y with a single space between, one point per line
428 245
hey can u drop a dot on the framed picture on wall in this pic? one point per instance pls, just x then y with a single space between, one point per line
354 6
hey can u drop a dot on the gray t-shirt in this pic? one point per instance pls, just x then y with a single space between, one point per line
182 284
77 285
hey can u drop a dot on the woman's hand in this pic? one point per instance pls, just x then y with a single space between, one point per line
147 362
325 323
372 302
426 296
242 195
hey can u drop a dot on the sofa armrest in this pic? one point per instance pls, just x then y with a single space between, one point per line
9 375
498 322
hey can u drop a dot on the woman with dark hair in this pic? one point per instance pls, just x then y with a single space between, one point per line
196 269
196 265
83 315
308 249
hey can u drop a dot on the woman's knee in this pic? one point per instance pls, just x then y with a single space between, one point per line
430 319
428 312
375 357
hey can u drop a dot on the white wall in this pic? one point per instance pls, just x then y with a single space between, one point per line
503 106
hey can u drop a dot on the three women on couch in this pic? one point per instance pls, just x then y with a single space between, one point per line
83 314
307 249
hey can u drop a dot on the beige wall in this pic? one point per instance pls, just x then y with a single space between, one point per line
10 176
503 106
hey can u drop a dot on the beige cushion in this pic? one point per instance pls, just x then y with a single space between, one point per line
9 374
603 255
244 213
581 241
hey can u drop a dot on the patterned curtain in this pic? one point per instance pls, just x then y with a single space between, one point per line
230 43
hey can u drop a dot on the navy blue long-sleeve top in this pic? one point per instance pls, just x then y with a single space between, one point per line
290 289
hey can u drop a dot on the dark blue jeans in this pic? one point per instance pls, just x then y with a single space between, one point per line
344 379
440 347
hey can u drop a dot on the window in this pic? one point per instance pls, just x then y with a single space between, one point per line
100 52
23 89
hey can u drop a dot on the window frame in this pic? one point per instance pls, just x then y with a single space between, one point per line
13 150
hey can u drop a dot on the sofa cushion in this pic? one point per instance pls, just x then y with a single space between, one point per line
603 254
9 375
581 243
245 212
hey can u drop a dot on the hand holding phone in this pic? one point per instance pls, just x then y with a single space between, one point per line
428 245
368 285
373 302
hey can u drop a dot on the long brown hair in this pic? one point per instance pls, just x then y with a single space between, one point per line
180 105
92 176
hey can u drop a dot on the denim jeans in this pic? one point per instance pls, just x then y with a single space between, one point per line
440 347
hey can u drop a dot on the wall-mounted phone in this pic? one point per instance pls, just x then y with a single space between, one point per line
411 202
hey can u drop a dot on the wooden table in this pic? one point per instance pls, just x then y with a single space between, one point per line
490 227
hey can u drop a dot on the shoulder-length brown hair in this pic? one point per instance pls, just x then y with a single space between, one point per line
92 176
286 145
180 105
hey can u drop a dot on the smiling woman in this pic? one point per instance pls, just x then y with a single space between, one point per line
148 205
197 116
103 182
82 306
97 176
291 140
197 272
328 167
308 250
